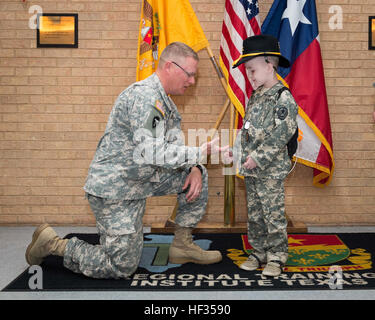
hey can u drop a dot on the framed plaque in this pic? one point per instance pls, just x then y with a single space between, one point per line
57 30
371 33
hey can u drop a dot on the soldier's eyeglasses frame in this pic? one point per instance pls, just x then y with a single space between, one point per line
189 74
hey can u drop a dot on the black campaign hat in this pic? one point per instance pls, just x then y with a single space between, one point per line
261 45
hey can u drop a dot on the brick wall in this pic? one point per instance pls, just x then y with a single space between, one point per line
55 104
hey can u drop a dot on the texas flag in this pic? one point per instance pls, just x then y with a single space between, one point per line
295 24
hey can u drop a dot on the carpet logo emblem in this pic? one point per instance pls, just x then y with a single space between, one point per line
317 253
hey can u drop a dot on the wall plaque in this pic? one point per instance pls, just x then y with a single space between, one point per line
57 30
371 33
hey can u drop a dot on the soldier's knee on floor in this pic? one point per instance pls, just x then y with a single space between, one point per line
122 270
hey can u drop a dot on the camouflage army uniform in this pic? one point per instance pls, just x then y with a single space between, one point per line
269 123
140 155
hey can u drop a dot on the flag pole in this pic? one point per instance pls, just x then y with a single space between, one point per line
170 221
229 182
217 68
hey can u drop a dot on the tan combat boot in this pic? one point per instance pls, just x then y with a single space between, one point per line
253 262
44 242
275 264
273 269
184 250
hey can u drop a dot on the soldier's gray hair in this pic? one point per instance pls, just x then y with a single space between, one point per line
178 50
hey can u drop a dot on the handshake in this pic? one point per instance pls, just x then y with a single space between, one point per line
212 147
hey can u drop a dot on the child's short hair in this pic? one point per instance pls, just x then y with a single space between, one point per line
274 60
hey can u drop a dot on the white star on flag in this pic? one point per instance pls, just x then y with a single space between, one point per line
294 13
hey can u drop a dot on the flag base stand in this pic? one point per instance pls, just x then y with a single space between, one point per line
239 227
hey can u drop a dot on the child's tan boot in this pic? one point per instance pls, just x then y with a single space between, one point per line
253 262
273 268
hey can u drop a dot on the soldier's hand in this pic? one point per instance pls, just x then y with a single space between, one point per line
250 163
194 182
211 147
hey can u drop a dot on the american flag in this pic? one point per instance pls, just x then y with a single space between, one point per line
241 20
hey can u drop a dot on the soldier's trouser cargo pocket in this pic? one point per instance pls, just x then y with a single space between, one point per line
121 240
119 223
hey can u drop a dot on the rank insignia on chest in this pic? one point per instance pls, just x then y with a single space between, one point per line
282 113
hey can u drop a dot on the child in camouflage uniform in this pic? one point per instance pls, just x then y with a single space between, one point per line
269 123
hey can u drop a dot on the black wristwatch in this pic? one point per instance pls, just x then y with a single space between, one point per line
197 166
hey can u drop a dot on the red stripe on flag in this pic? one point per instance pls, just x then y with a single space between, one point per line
234 53
255 26
236 28
236 89
232 82
224 58
237 23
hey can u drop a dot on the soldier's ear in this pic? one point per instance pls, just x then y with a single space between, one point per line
167 66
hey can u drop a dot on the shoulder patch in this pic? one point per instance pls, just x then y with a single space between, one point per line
154 121
282 113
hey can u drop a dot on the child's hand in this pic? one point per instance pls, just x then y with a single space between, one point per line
227 155
250 163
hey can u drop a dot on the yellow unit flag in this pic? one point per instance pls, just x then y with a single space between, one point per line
163 22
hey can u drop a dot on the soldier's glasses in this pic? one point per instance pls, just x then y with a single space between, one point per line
189 74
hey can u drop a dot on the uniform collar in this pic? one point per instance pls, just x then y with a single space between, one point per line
274 89
168 102
158 86
270 91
